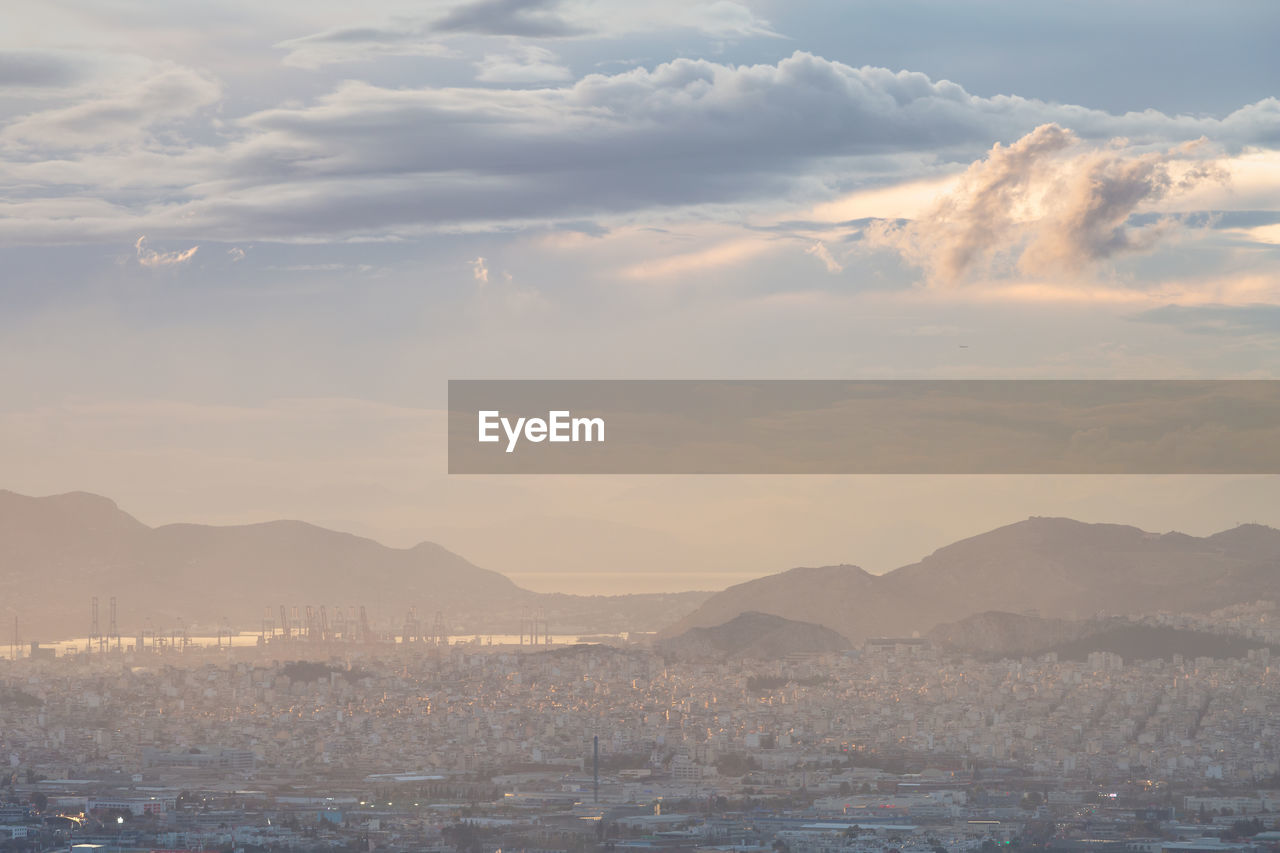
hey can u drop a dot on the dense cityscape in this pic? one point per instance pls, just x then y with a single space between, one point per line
292 744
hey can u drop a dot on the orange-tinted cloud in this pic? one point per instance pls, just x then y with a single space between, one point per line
153 259
1045 207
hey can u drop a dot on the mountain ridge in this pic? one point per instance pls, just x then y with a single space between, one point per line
83 545
58 551
1059 567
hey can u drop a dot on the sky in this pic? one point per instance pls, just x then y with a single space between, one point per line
243 246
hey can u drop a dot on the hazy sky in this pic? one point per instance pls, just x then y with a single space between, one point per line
243 245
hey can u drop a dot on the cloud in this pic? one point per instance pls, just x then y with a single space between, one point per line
480 271
1252 186
900 200
236 253
1041 206
523 64
401 37
725 19
820 251
127 112
154 260
1092 222
686 132
722 254
372 161
505 297
529 18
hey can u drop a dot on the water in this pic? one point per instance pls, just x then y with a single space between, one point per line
249 639
625 583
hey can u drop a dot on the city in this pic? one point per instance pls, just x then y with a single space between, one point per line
572 746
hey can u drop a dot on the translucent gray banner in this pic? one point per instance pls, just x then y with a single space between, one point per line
864 427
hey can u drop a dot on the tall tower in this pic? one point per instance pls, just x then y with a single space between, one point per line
113 631
95 632
526 629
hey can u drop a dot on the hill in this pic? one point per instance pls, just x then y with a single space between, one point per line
57 552
819 595
1057 567
754 635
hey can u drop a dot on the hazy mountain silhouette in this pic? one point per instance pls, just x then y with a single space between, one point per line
754 635
1056 567
56 552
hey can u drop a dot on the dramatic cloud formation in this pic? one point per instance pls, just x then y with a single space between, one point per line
368 160
1040 206
152 259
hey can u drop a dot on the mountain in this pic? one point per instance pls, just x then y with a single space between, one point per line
754 635
819 595
57 552
1057 567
